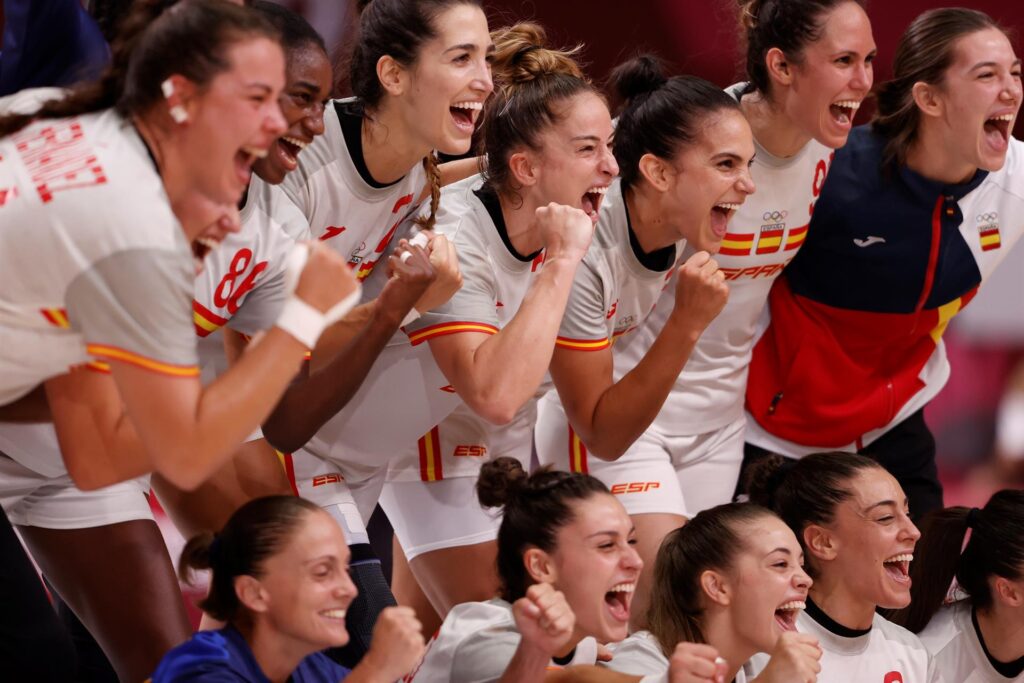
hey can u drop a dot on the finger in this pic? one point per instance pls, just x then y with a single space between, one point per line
698 259
699 650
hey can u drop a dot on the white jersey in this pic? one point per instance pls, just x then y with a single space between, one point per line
96 266
764 235
640 654
952 639
613 293
475 644
338 204
885 653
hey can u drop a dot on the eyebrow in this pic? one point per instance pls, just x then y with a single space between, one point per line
313 87
262 86
470 47
780 549
728 155
592 138
880 504
322 558
614 534
989 65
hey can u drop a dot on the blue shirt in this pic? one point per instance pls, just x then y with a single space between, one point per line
224 657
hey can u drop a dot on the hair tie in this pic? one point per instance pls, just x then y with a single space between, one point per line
973 515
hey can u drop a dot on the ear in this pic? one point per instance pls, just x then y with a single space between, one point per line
716 587
251 593
523 169
656 171
778 68
926 97
1010 592
392 75
180 97
540 566
820 543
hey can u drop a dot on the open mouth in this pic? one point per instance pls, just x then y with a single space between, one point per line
785 615
244 159
201 247
591 201
898 568
997 131
843 112
289 148
618 600
721 213
465 114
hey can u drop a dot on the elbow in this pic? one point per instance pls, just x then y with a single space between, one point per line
90 478
496 411
183 476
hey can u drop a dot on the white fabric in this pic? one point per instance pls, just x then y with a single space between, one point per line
640 654
951 639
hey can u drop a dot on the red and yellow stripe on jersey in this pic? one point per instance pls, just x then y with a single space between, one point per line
735 244
582 344
58 317
442 329
430 456
577 453
990 238
206 321
769 240
114 353
289 469
795 238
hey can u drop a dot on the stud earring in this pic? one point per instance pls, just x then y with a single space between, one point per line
177 112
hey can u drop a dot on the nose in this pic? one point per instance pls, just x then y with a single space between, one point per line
910 530
863 77
1012 89
346 588
274 122
314 123
631 559
745 183
484 82
609 165
801 580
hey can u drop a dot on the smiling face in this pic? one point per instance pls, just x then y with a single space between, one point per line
833 76
874 541
596 566
450 80
978 101
306 587
307 86
709 180
768 583
574 162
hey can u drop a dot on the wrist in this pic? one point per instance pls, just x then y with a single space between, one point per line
683 326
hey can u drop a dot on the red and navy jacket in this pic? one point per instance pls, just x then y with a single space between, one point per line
854 343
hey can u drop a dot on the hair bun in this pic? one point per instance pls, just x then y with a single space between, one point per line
764 477
521 55
500 481
639 76
750 10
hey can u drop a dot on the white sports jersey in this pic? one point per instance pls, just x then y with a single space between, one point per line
952 640
95 263
764 235
336 204
640 654
476 643
887 653
613 293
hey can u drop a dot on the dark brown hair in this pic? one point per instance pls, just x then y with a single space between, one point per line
924 54
534 507
711 540
254 533
159 38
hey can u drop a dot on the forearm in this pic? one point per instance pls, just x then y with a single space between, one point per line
314 398
589 673
506 369
336 337
528 665
627 408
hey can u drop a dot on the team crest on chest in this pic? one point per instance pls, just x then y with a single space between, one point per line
988 231
769 238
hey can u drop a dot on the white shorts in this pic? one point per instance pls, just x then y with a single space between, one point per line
659 474
433 515
348 493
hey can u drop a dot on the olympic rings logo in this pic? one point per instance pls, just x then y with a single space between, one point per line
990 217
775 215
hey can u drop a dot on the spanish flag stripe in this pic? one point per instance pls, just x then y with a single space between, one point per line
442 329
730 251
206 321
289 470
114 353
577 453
430 456
582 344
98 366
58 317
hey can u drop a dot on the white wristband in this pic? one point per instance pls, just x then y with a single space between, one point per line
341 309
302 321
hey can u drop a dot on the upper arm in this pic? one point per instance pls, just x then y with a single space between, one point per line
454 355
581 378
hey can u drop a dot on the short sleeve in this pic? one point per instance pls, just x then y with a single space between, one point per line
262 305
133 306
290 204
639 655
584 325
484 656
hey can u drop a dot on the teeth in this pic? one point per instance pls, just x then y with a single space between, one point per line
255 152
1004 117
598 190
469 105
208 242
334 613
623 588
728 207
294 141
794 605
847 104
906 557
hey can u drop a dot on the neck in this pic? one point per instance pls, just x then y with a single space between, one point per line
388 147
520 214
647 218
172 173
720 632
835 600
277 655
773 129
1003 632
930 156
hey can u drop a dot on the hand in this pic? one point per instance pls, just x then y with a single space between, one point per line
411 276
326 279
701 292
565 232
696 663
544 618
448 280
397 645
796 659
